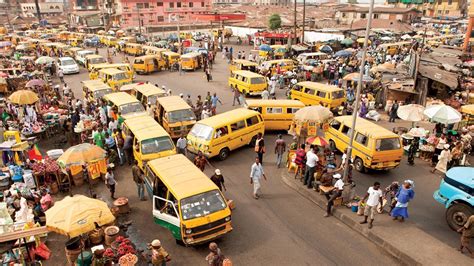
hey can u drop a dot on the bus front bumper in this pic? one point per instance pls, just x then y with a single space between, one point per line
208 236
384 165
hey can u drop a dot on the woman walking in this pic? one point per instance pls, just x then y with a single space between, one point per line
403 196
443 160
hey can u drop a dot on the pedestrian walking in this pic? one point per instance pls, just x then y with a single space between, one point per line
128 148
311 161
280 148
467 232
260 147
61 75
334 194
110 182
208 74
412 150
256 174
372 199
393 112
159 256
265 94
181 145
215 257
214 101
138 179
404 195
236 94
443 160
218 179
200 161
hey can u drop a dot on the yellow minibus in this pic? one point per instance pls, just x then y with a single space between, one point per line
175 115
277 114
314 93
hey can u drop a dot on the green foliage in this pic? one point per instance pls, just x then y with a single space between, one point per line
274 22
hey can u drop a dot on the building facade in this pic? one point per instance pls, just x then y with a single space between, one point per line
352 13
434 8
47 9
272 2
159 12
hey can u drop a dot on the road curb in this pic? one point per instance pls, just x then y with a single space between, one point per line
401 256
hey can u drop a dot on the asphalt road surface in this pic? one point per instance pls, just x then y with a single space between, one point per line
281 228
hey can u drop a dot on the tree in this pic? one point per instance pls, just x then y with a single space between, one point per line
274 22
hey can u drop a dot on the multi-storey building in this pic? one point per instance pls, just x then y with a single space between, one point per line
352 13
435 8
47 9
159 12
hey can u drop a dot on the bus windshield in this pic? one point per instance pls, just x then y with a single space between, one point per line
387 144
131 108
201 131
202 204
120 76
98 60
156 145
100 93
181 115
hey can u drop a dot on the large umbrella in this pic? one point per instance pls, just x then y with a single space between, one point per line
21 47
101 32
325 49
316 113
343 53
347 41
23 97
265 47
468 109
386 38
444 114
355 77
406 37
362 40
44 60
417 132
81 154
35 82
77 215
411 112
318 141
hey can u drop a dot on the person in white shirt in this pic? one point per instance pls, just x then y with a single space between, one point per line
256 174
181 145
334 194
311 161
372 200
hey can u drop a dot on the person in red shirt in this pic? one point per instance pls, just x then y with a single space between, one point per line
300 160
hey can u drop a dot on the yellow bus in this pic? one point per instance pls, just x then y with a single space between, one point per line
120 66
248 83
147 93
114 78
191 61
240 64
285 65
220 134
94 90
175 115
146 64
277 114
314 93
152 50
170 58
127 105
186 201
133 49
93 59
150 140
110 41
374 147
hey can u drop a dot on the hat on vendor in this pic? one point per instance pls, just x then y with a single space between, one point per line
337 176
331 166
218 172
446 146
156 243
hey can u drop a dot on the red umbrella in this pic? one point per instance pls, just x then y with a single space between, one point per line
318 141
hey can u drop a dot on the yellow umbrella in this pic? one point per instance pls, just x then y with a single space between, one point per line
81 154
23 97
76 215
362 40
316 114
468 109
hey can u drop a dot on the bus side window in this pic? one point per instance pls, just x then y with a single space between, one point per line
169 208
322 94
335 124
346 130
252 121
310 91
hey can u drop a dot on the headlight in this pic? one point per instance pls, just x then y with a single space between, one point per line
227 218
189 231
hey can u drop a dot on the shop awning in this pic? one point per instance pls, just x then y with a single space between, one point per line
299 48
447 78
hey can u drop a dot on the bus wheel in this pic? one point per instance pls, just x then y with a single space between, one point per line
457 215
224 153
359 165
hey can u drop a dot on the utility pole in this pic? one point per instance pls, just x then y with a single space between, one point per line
359 88
6 13
139 20
418 54
38 11
294 21
179 42
304 20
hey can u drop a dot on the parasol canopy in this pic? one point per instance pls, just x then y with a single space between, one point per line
265 47
101 32
387 66
417 132
325 49
411 112
81 154
35 82
347 41
76 215
386 38
468 109
21 47
44 60
316 113
318 141
355 77
444 114
405 37
23 97
362 40
343 53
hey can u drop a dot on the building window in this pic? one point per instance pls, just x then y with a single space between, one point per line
161 19
439 12
171 5
202 4
446 12
178 5
159 3
343 14
363 15
139 5
376 16
191 4
450 2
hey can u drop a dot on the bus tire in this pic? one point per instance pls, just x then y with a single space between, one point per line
359 165
457 215
224 153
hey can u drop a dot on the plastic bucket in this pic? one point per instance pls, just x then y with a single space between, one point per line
354 208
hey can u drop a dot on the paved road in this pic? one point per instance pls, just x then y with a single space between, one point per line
425 211
280 228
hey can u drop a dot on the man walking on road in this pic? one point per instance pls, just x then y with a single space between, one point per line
181 145
372 199
393 112
256 175
138 179
280 148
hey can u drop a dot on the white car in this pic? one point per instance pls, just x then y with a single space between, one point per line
68 65
81 56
